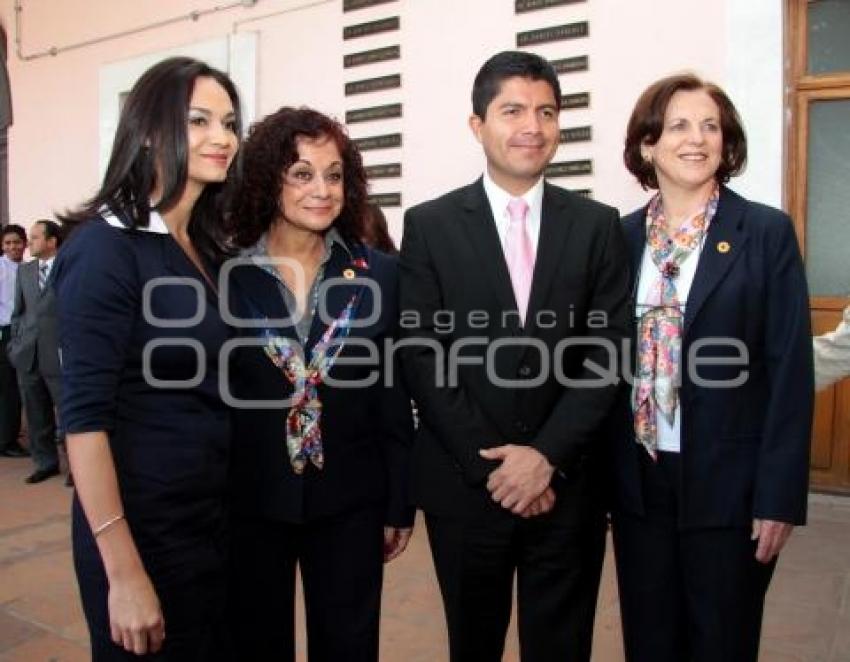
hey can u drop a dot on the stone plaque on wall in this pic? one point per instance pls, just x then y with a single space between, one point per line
384 170
576 134
372 27
521 6
385 199
385 141
353 5
577 100
374 113
568 65
373 84
369 57
570 168
555 33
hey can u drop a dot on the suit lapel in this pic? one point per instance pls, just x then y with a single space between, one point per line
335 297
634 230
723 244
179 264
555 223
481 230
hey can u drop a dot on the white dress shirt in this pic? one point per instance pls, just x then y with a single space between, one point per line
669 436
8 274
499 199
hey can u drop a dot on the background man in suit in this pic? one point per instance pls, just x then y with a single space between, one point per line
496 279
14 241
34 348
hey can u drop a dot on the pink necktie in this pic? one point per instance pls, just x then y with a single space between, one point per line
519 254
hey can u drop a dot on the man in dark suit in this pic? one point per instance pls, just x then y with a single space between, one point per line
34 348
514 303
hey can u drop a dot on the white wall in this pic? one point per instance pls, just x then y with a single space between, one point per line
54 141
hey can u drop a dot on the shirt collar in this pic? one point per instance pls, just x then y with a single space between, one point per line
156 224
48 262
499 197
332 237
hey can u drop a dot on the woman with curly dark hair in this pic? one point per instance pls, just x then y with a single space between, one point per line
323 428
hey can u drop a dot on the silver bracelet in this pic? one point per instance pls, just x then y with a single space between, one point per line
103 527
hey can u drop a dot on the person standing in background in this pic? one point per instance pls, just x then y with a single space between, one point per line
34 348
14 241
832 354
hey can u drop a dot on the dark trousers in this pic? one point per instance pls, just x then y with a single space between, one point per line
193 608
557 567
10 398
686 595
341 564
41 396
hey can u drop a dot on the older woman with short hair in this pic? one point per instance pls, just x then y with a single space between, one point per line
711 456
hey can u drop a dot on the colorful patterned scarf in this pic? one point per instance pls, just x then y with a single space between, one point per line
303 422
660 323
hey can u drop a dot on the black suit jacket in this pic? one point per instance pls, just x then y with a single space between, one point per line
745 449
366 431
456 297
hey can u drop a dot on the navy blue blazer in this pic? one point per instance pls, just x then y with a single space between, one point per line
120 368
745 449
367 431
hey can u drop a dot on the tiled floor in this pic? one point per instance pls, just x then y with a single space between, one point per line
807 618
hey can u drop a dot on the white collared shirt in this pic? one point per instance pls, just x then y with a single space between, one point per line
8 274
156 224
499 199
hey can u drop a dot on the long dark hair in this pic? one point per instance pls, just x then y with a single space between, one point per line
152 128
269 150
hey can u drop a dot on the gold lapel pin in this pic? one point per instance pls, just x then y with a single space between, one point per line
348 274
723 246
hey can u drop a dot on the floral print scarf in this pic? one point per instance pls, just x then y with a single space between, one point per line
660 326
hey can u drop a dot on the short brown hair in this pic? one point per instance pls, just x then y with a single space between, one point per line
647 123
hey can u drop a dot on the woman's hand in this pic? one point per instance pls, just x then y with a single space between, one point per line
135 617
395 541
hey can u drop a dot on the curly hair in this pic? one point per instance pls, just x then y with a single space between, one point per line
269 150
647 123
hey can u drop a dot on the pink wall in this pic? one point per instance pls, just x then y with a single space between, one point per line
54 141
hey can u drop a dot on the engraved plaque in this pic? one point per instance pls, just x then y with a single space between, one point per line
570 168
373 113
372 27
521 6
354 5
385 199
385 141
578 100
368 57
373 84
576 134
384 170
568 65
555 33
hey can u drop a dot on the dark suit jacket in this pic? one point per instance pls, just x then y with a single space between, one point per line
34 344
121 327
366 431
452 266
745 449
